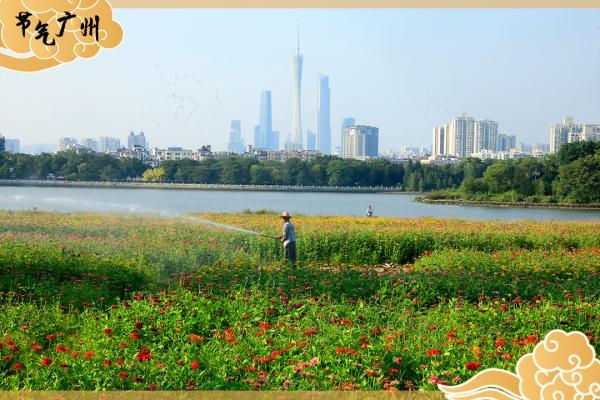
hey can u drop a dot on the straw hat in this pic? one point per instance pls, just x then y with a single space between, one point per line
285 214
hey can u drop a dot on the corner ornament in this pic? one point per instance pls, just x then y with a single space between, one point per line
563 366
39 34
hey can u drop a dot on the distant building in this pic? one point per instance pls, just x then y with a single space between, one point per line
172 154
486 135
12 145
323 122
506 142
361 142
441 140
2 143
275 140
108 144
264 137
346 123
296 142
136 141
311 140
236 142
66 143
569 132
90 143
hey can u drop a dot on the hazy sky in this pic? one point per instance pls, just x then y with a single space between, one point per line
182 75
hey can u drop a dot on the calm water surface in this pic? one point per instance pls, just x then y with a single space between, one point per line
178 201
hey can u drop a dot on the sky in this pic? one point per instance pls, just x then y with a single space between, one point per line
181 76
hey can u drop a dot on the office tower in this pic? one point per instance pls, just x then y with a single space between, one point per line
441 138
506 142
296 143
136 141
324 120
361 142
236 142
346 123
108 144
512 142
12 145
263 133
90 143
65 143
461 137
2 143
485 136
311 140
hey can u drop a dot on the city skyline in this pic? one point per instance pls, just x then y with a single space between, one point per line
397 82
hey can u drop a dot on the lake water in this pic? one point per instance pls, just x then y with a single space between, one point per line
178 201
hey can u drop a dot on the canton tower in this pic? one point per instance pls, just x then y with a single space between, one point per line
296 143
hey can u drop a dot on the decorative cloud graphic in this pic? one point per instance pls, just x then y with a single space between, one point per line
27 52
562 366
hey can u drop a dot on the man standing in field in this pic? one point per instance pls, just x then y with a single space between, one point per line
288 238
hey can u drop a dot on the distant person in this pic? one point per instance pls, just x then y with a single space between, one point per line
288 238
369 211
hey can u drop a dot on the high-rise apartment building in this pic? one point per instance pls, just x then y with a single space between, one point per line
569 132
90 143
12 145
108 144
506 142
486 135
361 142
324 120
296 143
311 140
136 141
2 143
462 136
65 143
346 123
441 140
236 142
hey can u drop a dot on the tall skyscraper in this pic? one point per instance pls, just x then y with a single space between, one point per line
506 142
236 142
2 143
297 89
486 135
346 123
311 140
361 142
263 134
324 123
12 145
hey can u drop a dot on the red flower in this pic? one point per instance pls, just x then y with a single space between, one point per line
264 325
340 350
37 347
194 337
107 331
194 364
398 360
433 352
371 372
123 375
311 332
473 365
46 361
17 367
106 363
134 335
88 355
61 348
138 325
144 354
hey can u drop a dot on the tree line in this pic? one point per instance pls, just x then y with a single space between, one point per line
572 175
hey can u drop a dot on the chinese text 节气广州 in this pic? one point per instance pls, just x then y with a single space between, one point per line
89 27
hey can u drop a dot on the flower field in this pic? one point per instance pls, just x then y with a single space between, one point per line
92 301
